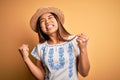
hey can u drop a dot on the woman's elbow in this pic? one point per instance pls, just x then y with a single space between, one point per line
40 78
85 73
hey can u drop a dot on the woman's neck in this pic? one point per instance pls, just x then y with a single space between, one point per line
55 40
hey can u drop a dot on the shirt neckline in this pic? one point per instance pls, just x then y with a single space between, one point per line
60 44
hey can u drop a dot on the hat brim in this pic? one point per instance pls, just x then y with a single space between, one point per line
42 11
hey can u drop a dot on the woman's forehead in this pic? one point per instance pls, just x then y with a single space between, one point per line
46 15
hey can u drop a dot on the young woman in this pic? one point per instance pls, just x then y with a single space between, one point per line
59 55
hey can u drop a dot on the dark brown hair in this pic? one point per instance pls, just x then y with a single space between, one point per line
61 32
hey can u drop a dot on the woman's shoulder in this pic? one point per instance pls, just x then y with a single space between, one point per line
71 36
40 44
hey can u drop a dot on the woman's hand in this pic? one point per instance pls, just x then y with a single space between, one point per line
24 50
82 40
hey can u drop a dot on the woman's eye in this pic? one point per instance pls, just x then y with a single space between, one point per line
41 20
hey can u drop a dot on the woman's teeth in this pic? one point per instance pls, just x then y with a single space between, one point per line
49 27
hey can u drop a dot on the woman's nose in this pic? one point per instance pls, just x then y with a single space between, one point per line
47 21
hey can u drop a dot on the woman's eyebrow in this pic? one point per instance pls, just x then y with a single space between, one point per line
50 15
41 19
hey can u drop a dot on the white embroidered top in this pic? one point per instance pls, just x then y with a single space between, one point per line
58 59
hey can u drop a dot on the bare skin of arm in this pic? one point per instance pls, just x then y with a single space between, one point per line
83 61
35 69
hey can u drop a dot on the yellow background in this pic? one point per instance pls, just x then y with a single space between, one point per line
99 19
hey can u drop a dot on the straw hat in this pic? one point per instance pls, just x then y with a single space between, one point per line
43 10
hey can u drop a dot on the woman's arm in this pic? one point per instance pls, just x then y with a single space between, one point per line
83 61
36 71
40 66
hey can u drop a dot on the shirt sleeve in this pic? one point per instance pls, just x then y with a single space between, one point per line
36 52
75 45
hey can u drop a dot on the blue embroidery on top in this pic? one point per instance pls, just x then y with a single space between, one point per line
61 59
43 49
71 58
35 50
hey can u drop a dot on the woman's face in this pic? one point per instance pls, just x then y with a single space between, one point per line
48 23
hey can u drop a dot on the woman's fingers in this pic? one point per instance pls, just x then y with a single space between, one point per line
24 50
24 47
82 40
82 37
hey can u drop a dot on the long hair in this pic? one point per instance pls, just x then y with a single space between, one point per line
61 32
